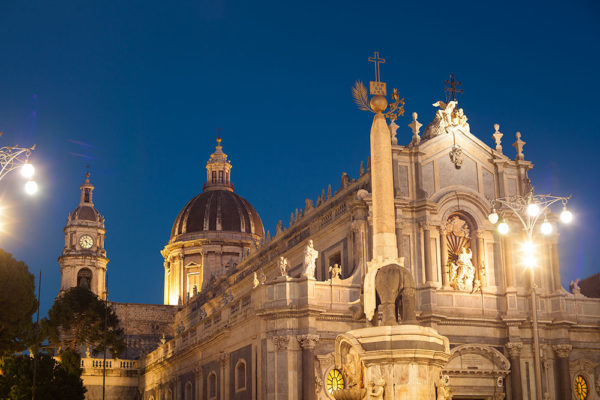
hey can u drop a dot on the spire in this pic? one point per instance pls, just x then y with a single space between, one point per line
86 192
218 170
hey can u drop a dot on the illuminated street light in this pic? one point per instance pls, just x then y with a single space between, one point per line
27 170
566 216
31 187
546 228
503 228
528 209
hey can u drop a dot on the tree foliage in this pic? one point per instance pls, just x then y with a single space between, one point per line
17 304
53 381
77 319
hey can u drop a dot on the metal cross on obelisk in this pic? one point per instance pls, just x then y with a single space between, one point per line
377 87
453 89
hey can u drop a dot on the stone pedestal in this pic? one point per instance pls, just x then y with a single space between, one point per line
404 360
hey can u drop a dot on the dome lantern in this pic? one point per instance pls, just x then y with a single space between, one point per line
218 170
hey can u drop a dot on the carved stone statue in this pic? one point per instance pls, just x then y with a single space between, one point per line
279 228
283 266
462 273
376 389
310 255
345 181
446 118
352 369
395 288
335 271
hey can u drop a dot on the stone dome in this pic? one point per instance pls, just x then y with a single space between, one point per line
217 210
86 213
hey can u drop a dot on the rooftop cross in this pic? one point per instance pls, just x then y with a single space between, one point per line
219 129
453 89
376 60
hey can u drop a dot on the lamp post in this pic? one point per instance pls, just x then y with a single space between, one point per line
13 157
529 209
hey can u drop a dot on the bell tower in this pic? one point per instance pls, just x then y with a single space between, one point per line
83 260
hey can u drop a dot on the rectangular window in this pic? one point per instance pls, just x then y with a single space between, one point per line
214 177
86 197
220 176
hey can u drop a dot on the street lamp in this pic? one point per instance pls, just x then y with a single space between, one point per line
528 210
14 157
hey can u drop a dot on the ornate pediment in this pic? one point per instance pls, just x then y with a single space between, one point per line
477 359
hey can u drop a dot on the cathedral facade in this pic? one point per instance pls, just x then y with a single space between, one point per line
244 318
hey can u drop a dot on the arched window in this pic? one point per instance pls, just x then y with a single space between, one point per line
240 375
188 391
212 386
84 278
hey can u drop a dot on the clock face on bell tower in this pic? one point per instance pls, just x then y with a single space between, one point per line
83 260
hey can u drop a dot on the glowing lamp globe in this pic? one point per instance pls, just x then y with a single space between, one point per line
493 217
31 187
27 170
533 210
566 216
528 248
529 261
546 228
503 228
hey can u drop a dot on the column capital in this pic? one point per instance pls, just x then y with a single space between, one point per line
562 350
479 233
224 359
281 342
425 225
514 348
308 341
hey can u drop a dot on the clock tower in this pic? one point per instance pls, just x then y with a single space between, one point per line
83 260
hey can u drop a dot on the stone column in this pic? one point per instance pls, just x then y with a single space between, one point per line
224 361
382 183
308 344
198 386
564 377
280 383
444 258
556 264
508 267
427 252
481 269
514 349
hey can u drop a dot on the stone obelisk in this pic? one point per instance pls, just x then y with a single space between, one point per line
382 184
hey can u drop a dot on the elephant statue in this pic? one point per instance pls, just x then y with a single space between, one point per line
396 296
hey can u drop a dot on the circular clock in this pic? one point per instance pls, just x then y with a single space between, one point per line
86 241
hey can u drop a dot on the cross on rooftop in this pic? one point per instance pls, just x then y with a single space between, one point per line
377 60
219 129
453 89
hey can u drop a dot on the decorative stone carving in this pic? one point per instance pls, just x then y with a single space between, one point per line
308 205
394 284
228 296
352 368
574 287
562 350
279 229
518 145
498 138
456 156
376 389
415 126
442 389
393 128
514 348
446 119
345 181
462 273
259 278
335 271
310 255
308 341
280 342
283 266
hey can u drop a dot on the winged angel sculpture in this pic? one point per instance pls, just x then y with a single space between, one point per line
359 93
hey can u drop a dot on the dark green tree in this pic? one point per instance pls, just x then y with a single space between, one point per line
17 304
78 319
53 380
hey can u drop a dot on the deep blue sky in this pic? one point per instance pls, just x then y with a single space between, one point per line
137 89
